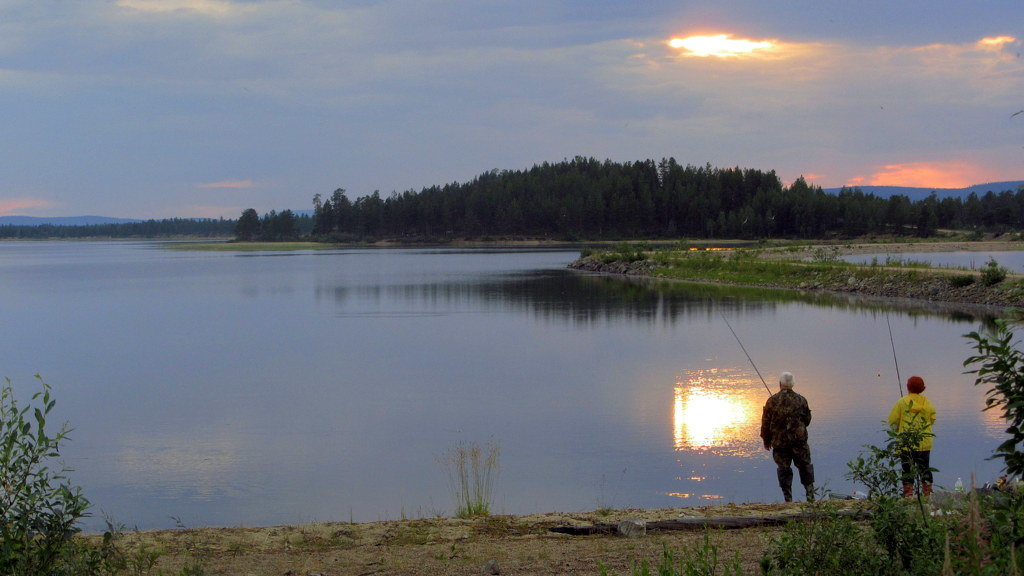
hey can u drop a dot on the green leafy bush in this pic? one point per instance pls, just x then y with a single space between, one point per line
39 507
828 544
992 273
961 280
880 469
1000 365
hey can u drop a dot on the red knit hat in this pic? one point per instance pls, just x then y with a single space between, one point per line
915 385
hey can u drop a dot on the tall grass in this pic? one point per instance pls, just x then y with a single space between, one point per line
471 471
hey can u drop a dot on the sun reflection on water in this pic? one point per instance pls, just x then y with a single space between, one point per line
718 410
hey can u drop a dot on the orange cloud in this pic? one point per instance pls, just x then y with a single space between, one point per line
996 42
954 174
228 184
12 206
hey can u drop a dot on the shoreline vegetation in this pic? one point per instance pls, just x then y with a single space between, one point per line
820 268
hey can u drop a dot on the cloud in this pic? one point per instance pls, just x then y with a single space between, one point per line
228 184
24 206
720 45
213 8
951 174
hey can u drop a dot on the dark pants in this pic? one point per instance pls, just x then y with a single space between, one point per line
785 457
917 465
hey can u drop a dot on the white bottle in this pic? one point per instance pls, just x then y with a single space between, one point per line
959 486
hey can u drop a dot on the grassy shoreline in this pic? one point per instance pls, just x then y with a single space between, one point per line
821 268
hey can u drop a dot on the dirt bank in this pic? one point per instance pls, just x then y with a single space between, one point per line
517 545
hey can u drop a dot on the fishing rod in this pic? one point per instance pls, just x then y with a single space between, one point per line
899 380
742 347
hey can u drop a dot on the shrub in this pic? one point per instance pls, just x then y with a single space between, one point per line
961 280
827 544
880 470
992 273
39 508
899 527
824 255
626 252
700 561
1000 365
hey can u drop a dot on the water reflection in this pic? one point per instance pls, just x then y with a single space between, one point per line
585 300
718 411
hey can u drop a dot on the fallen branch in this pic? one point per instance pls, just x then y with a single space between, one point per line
723 522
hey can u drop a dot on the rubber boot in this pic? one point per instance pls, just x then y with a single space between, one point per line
786 483
926 489
810 492
908 490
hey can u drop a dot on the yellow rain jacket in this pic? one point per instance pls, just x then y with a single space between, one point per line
917 412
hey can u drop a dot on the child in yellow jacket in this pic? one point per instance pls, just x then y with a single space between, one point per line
915 412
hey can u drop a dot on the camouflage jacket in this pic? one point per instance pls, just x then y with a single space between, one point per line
784 419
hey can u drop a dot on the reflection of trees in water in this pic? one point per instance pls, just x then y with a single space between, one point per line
585 299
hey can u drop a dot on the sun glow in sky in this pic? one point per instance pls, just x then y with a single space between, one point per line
236 104
953 174
721 45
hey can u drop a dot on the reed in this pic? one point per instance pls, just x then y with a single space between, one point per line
472 470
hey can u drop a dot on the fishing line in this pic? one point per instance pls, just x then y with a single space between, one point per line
899 380
742 347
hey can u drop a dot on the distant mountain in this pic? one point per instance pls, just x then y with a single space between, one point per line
921 193
62 220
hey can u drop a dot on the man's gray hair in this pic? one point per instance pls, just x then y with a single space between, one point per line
786 380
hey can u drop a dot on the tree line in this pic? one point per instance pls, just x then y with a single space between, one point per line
169 228
584 198
587 199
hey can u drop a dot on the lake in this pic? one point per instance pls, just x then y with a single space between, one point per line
262 388
970 260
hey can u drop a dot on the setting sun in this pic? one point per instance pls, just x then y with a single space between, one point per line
721 45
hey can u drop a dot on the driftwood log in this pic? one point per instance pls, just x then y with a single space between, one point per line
723 522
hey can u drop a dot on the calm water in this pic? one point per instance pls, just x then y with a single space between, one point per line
1012 261
267 388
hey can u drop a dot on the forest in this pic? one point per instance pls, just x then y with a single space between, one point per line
168 228
588 199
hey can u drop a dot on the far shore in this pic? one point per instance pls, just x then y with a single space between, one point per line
845 247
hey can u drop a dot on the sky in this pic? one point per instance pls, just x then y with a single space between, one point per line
203 108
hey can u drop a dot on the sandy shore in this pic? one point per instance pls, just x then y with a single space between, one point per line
922 246
516 545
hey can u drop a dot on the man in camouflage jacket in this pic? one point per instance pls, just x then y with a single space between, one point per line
784 424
